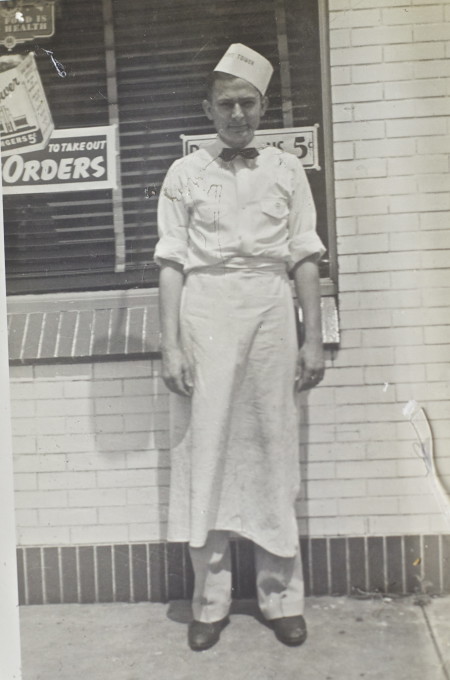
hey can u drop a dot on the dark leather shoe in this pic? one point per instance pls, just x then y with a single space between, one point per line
290 630
202 636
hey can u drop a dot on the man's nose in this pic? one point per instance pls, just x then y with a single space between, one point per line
237 111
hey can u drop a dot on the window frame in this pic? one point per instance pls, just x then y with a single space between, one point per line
144 276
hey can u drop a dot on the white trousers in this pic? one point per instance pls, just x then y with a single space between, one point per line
279 581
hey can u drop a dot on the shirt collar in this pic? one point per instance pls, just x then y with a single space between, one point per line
217 145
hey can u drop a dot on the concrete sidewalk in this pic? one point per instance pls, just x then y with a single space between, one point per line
349 639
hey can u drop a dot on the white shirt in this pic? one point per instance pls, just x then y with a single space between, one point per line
213 212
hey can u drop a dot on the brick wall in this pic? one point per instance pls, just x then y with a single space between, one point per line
91 453
91 440
391 76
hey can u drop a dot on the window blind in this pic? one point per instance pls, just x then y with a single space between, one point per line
164 51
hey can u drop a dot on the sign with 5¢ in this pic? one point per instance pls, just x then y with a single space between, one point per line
300 141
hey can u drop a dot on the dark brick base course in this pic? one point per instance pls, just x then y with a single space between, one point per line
158 572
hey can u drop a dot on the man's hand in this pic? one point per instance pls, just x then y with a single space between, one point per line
310 366
176 372
310 360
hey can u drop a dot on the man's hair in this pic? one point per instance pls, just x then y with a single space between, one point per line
216 76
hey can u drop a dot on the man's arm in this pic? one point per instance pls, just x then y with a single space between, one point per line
175 369
310 362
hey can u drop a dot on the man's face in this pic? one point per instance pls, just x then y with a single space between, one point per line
235 108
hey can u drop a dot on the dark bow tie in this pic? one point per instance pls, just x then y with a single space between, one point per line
229 154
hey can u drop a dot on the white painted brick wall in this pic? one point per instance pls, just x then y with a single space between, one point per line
91 441
91 453
391 170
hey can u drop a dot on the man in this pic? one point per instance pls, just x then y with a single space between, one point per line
233 221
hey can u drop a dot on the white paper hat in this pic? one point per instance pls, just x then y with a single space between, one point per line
243 62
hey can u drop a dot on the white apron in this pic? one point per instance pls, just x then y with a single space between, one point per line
235 443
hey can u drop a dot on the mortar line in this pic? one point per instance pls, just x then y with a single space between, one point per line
403 564
96 591
310 569
131 573
328 559
347 566
366 563
43 582
60 575
25 579
78 574
147 557
385 565
113 572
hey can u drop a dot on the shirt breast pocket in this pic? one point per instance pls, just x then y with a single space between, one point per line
277 208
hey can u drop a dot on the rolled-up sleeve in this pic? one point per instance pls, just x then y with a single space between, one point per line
303 238
173 220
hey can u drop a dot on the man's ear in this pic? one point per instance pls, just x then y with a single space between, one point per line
264 105
207 108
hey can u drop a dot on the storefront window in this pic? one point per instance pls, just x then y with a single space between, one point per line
141 65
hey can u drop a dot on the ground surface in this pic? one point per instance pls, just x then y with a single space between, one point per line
349 639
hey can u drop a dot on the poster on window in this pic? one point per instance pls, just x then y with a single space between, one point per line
25 119
301 141
76 159
26 22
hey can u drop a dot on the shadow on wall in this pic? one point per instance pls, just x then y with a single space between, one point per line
302 502
130 416
317 504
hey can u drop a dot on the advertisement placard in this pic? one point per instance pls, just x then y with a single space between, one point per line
25 119
301 141
27 22
76 159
